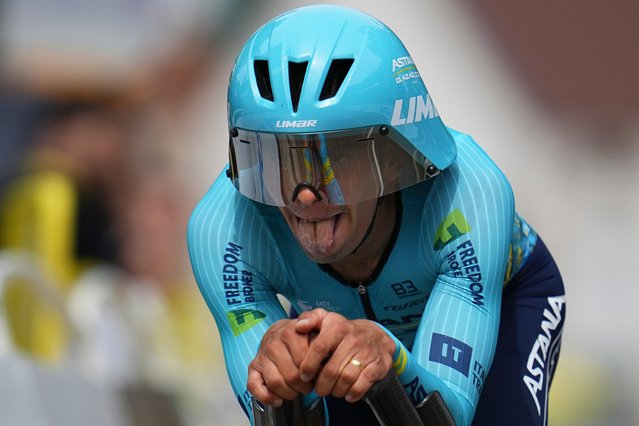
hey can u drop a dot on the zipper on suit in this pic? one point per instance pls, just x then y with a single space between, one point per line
366 302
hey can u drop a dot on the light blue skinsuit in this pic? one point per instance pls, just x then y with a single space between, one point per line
438 289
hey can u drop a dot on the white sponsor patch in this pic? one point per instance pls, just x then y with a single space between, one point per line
534 379
295 123
401 62
417 109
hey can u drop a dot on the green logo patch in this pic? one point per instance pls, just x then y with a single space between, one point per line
454 226
244 319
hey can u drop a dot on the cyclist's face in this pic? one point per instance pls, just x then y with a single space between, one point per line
328 233
345 167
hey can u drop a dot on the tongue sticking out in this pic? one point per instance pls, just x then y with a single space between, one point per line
316 236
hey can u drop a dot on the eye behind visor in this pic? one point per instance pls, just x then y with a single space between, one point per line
346 166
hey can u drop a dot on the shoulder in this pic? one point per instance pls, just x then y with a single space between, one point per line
472 159
227 230
219 208
472 193
223 215
474 174
222 203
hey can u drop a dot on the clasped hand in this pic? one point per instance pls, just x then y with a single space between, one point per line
321 351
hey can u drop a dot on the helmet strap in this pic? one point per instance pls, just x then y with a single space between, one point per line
380 200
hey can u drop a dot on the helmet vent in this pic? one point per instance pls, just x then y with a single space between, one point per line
335 77
296 74
263 78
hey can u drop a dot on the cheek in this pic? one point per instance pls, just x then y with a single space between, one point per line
360 180
359 219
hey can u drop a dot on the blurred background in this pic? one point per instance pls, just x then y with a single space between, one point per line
113 125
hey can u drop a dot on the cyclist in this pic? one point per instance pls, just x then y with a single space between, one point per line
393 236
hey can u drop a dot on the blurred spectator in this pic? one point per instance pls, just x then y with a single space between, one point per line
102 198
101 208
181 352
60 209
18 115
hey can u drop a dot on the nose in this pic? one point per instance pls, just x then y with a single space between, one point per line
306 194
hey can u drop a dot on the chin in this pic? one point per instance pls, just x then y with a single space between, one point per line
323 257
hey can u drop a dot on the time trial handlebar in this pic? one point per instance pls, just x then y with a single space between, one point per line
387 399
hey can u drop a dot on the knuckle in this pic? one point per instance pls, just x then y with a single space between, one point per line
307 370
275 382
291 376
319 346
330 372
339 391
278 324
267 352
310 315
345 328
349 375
288 333
370 375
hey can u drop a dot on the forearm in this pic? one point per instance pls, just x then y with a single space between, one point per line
419 382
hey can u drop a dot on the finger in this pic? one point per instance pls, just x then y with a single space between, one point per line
347 377
279 356
330 373
275 382
295 347
258 389
286 349
282 339
319 349
310 320
367 377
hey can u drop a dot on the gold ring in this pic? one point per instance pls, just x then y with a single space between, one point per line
357 363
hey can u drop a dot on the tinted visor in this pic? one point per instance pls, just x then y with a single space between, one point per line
342 167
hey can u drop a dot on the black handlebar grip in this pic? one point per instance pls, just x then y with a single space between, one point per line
391 404
387 399
287 414
434 412
290 413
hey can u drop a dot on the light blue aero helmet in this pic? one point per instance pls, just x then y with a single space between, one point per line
327 97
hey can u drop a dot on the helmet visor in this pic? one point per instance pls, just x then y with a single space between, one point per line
341 167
